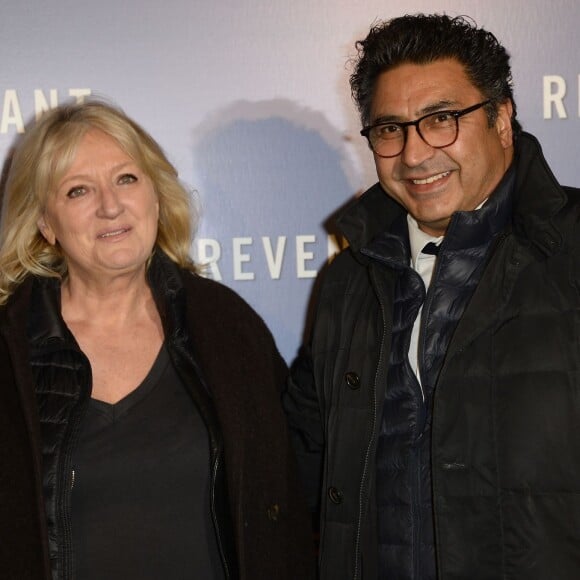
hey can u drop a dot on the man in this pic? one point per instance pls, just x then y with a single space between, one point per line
439 398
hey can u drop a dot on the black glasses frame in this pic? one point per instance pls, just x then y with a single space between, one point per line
365 132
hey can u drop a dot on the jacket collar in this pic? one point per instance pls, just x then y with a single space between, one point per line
471 229
164 278
537 199
45 322
467 229
372 213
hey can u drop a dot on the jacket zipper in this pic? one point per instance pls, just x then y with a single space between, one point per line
215 518
214 449
416 510
370 444
67 475
416 516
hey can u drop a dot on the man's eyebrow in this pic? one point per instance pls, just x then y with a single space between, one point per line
438 106
441 105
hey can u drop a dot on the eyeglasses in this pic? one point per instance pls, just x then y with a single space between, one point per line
438 130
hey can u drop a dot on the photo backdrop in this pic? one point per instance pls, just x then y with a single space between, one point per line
250 100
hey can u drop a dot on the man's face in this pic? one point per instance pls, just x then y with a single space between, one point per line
432 183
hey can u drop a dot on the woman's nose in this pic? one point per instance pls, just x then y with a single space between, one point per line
110 205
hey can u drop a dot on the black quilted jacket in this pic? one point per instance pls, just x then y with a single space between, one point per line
505 451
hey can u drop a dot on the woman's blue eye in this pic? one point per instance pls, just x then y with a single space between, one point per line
127 178
76 191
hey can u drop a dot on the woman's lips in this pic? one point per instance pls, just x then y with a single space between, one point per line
113 233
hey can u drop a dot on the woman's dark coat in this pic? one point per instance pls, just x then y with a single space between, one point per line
238 362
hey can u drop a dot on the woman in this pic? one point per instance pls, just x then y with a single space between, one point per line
141 434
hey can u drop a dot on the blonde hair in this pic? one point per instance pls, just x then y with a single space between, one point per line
40 160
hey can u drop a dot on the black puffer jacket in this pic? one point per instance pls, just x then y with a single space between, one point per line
229 362
506 411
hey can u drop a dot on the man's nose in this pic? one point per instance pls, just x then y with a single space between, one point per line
416 150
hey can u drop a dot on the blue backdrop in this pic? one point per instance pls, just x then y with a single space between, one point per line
250 100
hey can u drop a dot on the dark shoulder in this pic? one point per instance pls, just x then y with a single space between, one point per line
223 326
569 216
344 267
567 223
211 291
573 195
215 303
15 310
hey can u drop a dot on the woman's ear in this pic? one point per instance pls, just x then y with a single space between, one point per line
46 230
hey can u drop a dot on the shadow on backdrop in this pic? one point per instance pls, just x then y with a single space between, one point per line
271 169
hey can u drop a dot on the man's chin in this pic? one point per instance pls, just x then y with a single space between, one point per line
433 225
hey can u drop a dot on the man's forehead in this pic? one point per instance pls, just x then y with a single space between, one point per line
430 107
411 90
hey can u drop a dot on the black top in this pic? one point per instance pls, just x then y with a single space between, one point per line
140 498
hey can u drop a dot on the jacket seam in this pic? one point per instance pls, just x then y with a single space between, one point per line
494 430
373 426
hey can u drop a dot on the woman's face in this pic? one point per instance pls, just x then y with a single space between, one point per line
103 213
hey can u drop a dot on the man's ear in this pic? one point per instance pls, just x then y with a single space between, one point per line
503 123
46 230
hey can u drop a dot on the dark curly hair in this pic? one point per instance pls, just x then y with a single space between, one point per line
424 38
